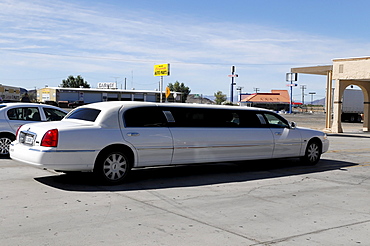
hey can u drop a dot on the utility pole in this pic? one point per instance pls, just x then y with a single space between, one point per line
312 93
256 89
115 79
290 77
303 87
240 88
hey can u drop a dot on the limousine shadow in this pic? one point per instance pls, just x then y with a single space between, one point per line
193 175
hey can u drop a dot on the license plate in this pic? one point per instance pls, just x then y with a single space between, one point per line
28 140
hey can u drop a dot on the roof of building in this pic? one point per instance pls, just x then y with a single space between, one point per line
276 96
114 90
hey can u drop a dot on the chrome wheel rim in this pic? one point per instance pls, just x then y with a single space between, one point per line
4 146
115 166
313 152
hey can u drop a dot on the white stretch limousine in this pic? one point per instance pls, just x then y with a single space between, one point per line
110 138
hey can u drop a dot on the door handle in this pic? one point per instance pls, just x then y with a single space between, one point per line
133 134
278 133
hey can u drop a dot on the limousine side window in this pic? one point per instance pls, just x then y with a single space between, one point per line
144 117
276 121
249 119
192 117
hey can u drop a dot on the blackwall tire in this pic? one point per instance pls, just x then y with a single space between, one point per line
112 167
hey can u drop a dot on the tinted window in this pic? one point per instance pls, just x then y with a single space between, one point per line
144 117
24 113
53 114
248 119
192 117
88 114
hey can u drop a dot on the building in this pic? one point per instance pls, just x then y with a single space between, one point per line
277 100
345 72
89 95
10 93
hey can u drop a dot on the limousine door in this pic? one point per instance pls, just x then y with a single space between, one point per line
213 135
198 144
288 141
145 128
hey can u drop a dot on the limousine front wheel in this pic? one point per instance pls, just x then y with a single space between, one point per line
312 154
112 167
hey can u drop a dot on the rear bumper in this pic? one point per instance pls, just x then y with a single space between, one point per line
52 158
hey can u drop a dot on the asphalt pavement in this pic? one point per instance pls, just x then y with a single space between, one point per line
273 202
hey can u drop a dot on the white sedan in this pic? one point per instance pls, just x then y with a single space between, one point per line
13 115
110 138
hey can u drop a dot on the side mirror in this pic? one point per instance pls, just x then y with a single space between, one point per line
293 125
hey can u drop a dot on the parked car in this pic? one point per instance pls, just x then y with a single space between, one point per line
13 115
110 138
75 104
54 103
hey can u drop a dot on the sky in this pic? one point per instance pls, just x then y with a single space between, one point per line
43 42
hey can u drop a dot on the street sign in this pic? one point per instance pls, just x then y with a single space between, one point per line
233 75
292 85
168 92
162 70
291 77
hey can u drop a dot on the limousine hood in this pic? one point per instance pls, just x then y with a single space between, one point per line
310 131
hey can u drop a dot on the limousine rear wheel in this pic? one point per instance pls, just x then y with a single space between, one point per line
313 153
112 167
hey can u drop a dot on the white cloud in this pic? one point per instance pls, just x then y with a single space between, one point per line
68 37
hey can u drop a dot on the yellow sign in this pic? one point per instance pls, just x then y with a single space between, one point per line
162 70
168 92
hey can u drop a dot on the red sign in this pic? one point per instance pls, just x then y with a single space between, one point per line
292 85
233 75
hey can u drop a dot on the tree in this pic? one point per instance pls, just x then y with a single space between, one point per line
177 87
72 82
220 97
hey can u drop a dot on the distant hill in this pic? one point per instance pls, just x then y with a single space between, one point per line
196 98
318 102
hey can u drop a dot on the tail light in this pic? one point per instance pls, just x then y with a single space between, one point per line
50 139
16 133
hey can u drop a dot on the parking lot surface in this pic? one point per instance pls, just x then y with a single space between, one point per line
273 202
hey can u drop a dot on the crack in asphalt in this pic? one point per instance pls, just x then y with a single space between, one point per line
187 217
271 242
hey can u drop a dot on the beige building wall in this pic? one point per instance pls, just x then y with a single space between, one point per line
351 69
46 94
346 72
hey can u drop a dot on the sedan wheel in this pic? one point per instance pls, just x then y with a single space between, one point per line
4 145
113 167
313 153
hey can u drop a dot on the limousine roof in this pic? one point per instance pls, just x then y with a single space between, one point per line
108 116
131 104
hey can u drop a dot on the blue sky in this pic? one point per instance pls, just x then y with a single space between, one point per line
43 42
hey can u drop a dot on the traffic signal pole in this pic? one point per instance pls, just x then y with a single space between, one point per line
233 75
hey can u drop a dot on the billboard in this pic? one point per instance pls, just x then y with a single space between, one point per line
107 85
162 70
